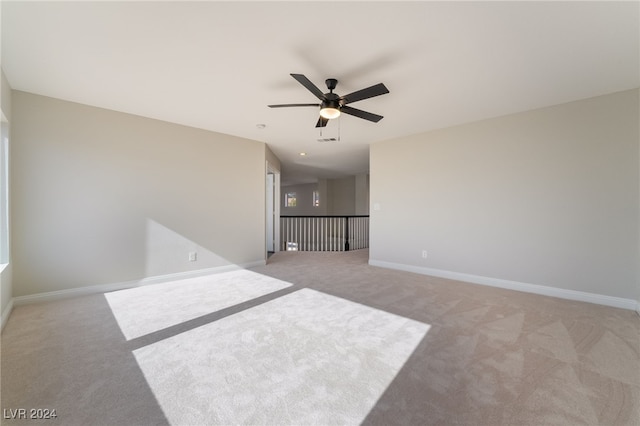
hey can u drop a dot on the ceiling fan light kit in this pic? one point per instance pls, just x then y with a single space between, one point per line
332 105
330 109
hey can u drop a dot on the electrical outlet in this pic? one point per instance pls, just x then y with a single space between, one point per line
424 254
193 256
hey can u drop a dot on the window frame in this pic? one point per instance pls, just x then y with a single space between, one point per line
290 199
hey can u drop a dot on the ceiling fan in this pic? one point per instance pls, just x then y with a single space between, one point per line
332 104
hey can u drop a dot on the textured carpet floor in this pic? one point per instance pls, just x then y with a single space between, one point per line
304 358
147 309
431 351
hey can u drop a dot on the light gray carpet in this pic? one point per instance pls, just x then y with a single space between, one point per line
431 351
147 309
304 358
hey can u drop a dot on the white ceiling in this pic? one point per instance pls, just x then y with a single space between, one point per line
217 65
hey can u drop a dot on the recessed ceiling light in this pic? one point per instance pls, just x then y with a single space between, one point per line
302 154
261 126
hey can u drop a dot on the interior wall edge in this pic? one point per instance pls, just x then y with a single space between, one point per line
6 313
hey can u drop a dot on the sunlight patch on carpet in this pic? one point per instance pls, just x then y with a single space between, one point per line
143 310
304 358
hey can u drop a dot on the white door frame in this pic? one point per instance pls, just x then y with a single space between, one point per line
272 208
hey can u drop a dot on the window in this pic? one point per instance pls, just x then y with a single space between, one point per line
316 198
290 199
4 193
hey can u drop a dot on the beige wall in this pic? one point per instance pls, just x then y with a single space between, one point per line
103 197
338 197
271 158
548 197
362 194
304 200
342 194
322 209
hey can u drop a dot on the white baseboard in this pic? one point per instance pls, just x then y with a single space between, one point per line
600 299
6 314
105 288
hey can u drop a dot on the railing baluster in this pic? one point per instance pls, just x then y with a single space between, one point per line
315 234
308 227
324 233
334 231
292 230
345 232
353 233
353 228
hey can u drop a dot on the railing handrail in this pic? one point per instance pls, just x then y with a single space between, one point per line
335 215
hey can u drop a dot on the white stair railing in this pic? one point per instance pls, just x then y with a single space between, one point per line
324 233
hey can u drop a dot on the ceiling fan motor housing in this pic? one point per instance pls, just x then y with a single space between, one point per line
331 100
331 83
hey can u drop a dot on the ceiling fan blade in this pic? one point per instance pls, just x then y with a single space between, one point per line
361 114
293 105
309 85
322 122
369 92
